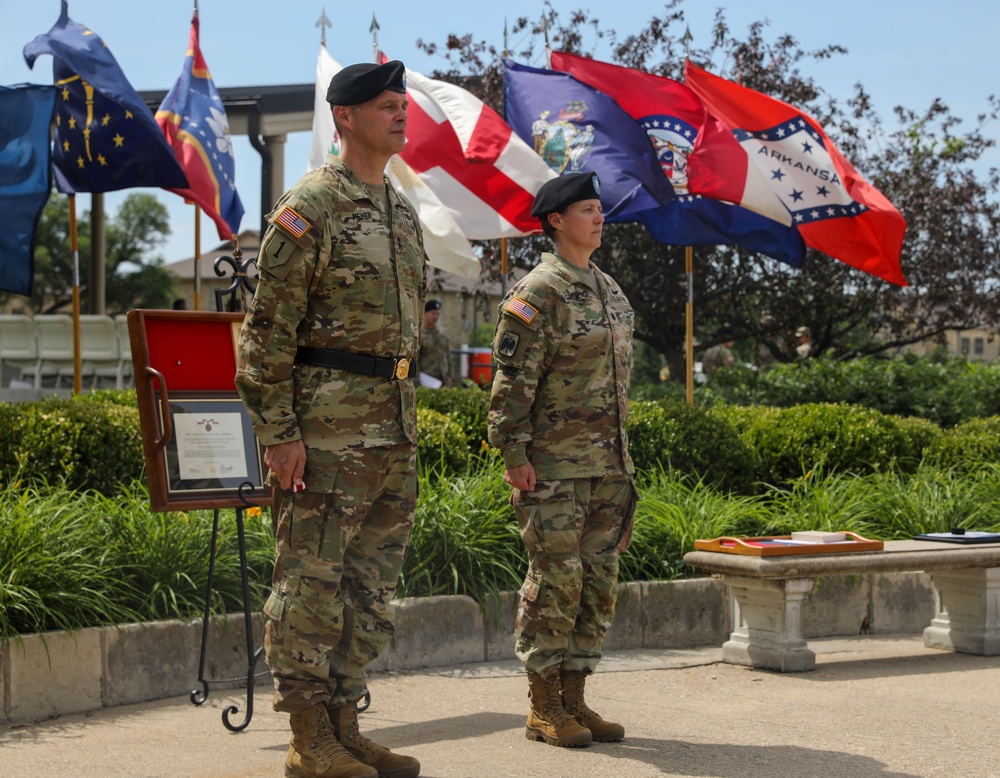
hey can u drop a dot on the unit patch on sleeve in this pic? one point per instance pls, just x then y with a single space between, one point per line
521 309
291 222
508 344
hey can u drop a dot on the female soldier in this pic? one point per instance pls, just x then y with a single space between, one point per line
563 346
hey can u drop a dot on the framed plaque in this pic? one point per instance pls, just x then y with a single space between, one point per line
197 437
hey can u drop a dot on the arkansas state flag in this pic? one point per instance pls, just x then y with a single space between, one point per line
697 152
573 127
472 160
194 123
834 208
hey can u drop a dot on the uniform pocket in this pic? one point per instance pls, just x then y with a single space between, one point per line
547 518
628 520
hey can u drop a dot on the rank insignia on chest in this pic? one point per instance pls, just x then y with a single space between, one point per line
508 344
291 222
521 309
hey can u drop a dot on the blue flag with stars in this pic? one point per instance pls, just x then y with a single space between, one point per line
25 179
106 137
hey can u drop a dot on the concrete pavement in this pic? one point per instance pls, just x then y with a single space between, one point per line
874 706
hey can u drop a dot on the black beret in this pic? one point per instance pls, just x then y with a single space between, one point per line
432 305
357 84
570 188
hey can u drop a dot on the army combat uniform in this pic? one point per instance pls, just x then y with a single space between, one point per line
342 284
434 353
563 347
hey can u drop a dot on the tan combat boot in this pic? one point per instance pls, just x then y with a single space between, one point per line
548 720
387 764
572 692
315 752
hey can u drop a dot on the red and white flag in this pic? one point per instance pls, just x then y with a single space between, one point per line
482 172
834 209
446 246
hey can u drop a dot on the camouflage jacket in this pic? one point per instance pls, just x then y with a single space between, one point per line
560 393
434 357
336 272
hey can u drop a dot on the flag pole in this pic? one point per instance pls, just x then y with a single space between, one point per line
75 250
197 258
374 31
504 269
689 322
689 272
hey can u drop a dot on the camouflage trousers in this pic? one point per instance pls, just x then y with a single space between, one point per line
574 531
339 554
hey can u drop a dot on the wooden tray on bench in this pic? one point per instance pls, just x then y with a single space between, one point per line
783 545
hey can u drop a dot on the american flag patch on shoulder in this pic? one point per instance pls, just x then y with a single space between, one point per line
293 223
521 309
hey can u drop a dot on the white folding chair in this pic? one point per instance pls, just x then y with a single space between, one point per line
125 344
100 354
55 347
18 347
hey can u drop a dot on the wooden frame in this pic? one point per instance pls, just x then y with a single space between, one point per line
782 545
197 437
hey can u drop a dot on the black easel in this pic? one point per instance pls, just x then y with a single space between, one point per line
198 696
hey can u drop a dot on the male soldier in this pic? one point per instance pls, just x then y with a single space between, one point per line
435 359
558 409
323 366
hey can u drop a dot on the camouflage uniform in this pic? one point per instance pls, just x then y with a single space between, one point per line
559 401
339 273
435 359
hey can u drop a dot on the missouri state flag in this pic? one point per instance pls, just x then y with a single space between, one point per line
720 198
834 209
194 122
106 138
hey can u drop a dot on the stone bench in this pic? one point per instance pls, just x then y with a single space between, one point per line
770 591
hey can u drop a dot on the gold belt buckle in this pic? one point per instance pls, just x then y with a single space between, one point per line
402 368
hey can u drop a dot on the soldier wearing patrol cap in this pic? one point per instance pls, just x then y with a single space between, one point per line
435 348
563 346
323 369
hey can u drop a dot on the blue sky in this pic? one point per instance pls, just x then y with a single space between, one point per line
905 53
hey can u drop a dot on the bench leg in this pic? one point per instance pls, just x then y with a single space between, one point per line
968 611
769 631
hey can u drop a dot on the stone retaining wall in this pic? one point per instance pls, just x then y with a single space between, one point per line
58 673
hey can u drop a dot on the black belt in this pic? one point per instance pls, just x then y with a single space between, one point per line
382 367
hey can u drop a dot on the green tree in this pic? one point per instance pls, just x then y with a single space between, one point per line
134 276
926 166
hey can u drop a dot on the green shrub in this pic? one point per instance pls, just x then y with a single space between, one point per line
921 434
946 391
673 511
836 438
440 443
10 437
467 407
89 445
465 538
973 443
689 440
